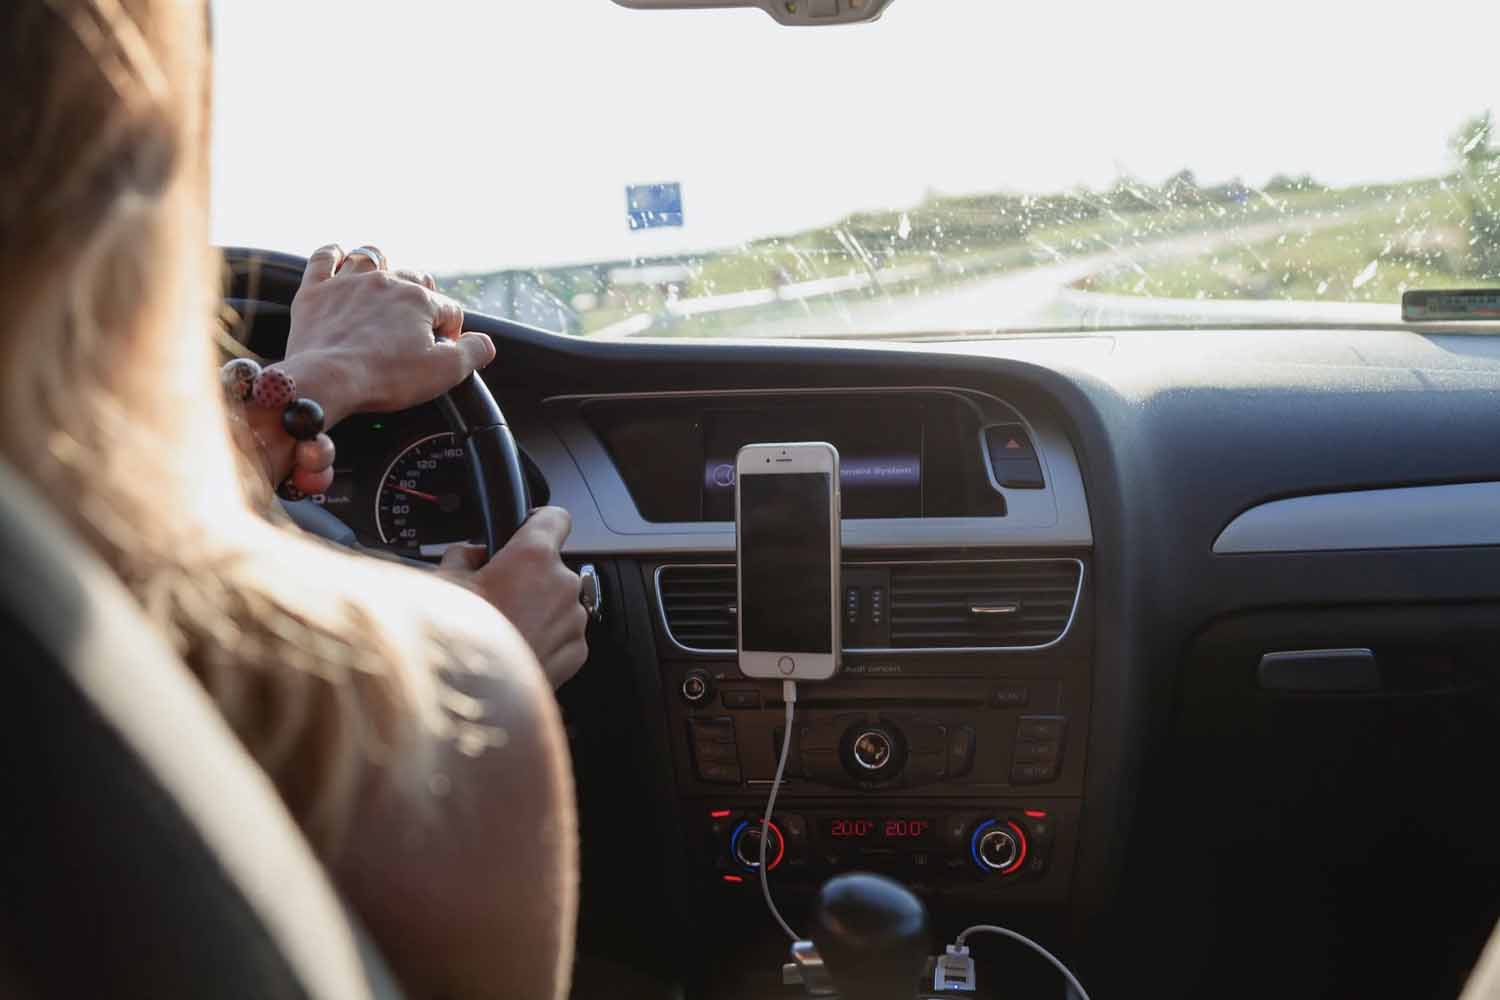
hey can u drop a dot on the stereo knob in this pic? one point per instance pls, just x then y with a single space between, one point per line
697 687
874 750
744 844
998 847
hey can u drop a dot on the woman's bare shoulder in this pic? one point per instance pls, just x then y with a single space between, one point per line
436 671
472 829
413 611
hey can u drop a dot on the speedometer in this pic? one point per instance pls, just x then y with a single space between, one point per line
425 502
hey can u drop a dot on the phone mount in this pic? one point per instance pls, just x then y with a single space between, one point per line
869 941
795 13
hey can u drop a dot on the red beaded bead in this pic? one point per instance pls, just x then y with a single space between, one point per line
312 481
274 389
315 454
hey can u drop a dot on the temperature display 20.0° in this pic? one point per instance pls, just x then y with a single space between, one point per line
902 829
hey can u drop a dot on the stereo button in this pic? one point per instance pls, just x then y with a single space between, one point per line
1040 728
720 774
1010 696
823 766
696 686
712 730
1033 774
820 737
716 753
1037 753
1019 474
741 699
960 751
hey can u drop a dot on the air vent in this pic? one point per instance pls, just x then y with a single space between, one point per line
1002 604
1013 603
698 605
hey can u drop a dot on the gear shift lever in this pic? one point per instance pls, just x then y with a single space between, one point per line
872 934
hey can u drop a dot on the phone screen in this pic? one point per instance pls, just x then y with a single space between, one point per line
786 574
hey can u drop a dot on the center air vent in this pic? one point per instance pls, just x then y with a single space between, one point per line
1014 603
698 605
998 604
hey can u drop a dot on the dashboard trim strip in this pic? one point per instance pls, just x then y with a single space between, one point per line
661 608
1459 515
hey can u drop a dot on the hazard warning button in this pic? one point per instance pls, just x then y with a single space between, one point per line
1012 457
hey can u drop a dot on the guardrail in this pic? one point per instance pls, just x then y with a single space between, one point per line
759 298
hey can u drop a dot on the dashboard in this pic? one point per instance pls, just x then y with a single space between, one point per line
1247 704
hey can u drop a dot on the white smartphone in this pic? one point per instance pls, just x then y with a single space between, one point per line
787 544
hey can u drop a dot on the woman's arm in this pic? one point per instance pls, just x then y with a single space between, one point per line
363 340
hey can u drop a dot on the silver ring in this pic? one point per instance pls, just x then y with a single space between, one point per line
376 257
591 591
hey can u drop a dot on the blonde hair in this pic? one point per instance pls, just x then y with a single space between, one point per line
111 407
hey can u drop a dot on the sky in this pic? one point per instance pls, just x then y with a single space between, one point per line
471 135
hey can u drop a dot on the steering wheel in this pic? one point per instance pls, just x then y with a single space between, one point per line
494 459
265 280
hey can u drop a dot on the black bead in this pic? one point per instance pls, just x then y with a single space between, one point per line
302 419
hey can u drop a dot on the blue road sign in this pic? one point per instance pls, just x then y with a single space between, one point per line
650 205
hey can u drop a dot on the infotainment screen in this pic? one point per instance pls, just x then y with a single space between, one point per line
880 448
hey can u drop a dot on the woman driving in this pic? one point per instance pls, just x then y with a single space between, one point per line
408 725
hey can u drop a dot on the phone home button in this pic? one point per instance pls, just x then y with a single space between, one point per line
786 665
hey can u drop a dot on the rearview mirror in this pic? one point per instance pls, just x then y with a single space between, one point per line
795 12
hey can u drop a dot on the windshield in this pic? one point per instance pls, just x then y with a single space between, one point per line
959 166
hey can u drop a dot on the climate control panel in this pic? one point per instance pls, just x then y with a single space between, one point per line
960 848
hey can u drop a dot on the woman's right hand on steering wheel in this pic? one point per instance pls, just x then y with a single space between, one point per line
365 340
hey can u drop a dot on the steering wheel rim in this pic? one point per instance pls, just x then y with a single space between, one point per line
494 459
261 278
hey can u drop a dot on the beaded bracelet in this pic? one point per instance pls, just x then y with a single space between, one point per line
246 382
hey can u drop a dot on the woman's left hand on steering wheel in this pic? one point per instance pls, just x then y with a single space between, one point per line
366 340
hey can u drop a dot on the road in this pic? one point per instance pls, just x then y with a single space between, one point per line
1042 296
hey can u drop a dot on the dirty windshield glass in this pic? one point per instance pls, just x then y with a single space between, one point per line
956 167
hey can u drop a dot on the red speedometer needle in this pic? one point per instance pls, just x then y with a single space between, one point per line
430 498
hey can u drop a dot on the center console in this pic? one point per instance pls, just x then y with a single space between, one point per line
948 753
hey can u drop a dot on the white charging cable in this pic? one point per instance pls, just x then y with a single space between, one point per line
955 970
788 695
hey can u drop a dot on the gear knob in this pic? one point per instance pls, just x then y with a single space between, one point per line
872 934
